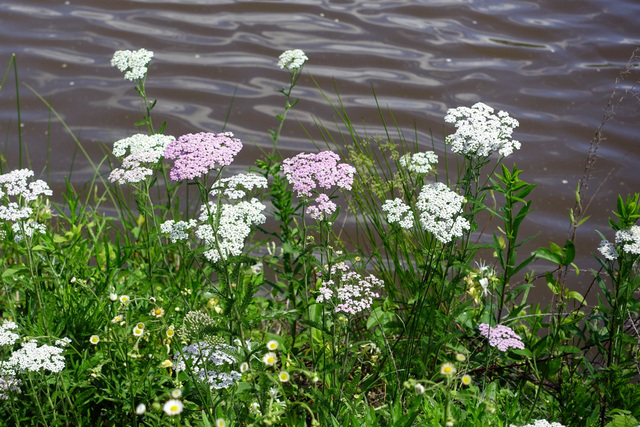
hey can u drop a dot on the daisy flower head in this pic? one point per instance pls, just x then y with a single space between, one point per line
132 63
447 369
157 312
244 367
137 332
170 332
124 299
173 407
94 339
270 359
284 376
113 297
220 422
117 319
292 59
272 345
466 380
176 393
460 357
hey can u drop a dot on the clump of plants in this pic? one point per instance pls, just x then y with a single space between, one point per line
250 307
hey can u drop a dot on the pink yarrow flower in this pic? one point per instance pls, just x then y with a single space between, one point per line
501 337
308 172
196 154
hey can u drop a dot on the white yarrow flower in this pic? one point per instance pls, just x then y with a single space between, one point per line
292 59
419 163
440 210
132 63
479 132
608 250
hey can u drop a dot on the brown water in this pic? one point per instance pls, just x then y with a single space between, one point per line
551 64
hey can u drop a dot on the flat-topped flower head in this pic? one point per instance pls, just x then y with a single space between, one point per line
132 62
502 337
447 369
419 163
440 210
479 132
292 59
398 213
196 154
311 172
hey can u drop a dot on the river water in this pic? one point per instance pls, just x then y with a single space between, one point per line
551 64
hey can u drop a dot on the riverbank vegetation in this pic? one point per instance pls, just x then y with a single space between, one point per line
176 290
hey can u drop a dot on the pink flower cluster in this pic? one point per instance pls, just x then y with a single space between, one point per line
196 154
501 337
309 171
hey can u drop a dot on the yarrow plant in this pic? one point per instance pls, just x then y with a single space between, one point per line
292 59
133 63
502 337
18 198
348 291
145 151
479 132
419 163
312 173
541 423
208 364
196 154
440 212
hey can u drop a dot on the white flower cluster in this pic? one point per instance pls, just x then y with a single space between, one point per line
419 163
208 364
398 212
6 336
440 210
231 227
353 292
132 62
608 250
33 358
144 150
292 59
479 132
236 187
20 212
177 230
627 241
541 423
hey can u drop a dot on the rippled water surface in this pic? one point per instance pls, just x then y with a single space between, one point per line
551 64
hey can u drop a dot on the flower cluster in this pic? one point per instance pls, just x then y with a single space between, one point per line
208 364
541 423
308 173
144 150
177 230
479 132
627 241
6 336
33 358
227 226
132 62
398 212
420 163
292 59
350 292
196 154
236 187
501 337
20 212
440 210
